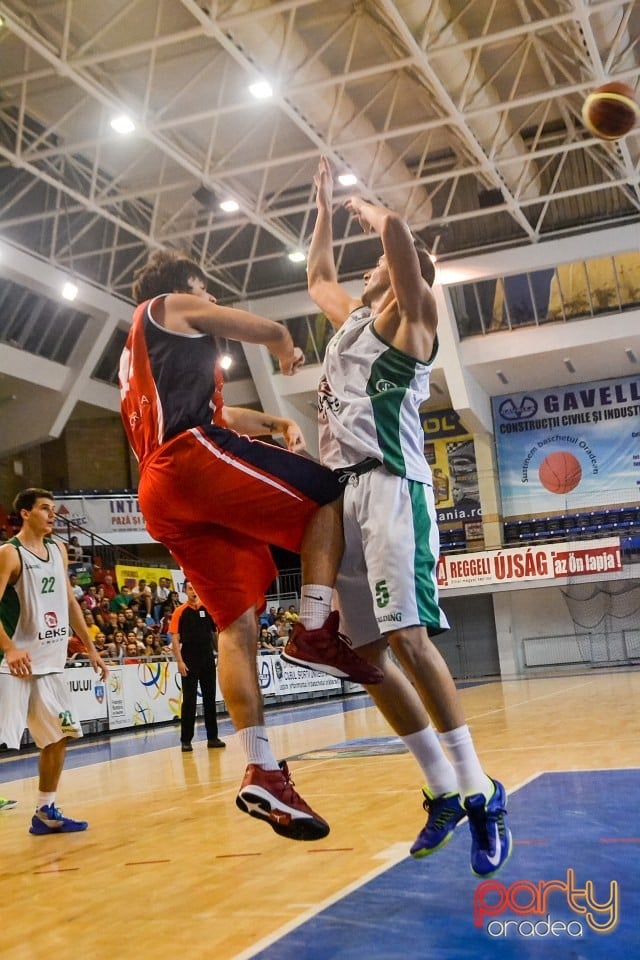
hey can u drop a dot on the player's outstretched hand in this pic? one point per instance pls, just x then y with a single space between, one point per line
293 363
293 437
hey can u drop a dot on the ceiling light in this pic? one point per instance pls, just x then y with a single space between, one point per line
501 377
570 367
122 124
347 179
229 206
631 356
226 361
69 290
297 256
261 90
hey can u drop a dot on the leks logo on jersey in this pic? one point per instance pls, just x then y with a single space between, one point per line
53 631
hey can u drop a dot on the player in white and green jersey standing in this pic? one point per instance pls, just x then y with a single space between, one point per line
375 377
37 608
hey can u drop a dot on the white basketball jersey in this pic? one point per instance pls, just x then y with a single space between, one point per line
35 609
368 401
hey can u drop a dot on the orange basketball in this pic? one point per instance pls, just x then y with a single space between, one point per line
560 472
611 111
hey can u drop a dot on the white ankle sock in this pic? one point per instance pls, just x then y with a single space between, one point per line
471 776
315 605
434 763
255 743
45 799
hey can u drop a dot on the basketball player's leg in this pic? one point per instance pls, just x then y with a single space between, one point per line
400 557
230 572
52 724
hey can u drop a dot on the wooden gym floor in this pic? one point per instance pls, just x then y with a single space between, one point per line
170 869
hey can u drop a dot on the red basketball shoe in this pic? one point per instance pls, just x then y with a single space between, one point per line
269 795
329 651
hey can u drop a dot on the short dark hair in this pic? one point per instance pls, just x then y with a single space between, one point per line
25 500
427 268
165 272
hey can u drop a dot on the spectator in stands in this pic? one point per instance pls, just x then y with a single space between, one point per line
130 618
100 643
121 599
91 596
165 621
4 534
142 593
279 632
264 641
101 614
74 550
111 625
142 629
76 649
76 589
291 615
108 586
132 637
117 644
92 626
162 595
153 587
155 648
131 652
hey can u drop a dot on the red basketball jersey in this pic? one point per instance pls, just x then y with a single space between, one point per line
169 382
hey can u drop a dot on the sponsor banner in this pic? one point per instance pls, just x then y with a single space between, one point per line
130 574
575 447
279 678
88 693
450 453
103 515
558 561
151 692
117 712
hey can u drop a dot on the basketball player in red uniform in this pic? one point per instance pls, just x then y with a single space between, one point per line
217 499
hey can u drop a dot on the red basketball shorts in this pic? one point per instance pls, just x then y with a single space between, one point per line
217 500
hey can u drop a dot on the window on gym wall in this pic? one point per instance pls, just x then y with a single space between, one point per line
312 334
35 323
572 291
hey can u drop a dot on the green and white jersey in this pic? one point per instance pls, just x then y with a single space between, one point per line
35 609
368 401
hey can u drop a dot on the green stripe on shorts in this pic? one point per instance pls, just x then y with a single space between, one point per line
424 561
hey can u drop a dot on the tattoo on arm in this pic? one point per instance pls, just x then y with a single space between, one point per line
270 426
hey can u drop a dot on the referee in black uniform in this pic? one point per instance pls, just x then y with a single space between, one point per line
193 641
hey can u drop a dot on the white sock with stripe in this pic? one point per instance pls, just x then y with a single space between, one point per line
255 743
315 605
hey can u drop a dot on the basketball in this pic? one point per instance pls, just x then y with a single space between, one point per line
611 111
560 472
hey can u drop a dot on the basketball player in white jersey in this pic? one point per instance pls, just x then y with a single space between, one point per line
37 607
376 375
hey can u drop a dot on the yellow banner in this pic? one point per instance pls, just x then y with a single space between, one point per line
127 575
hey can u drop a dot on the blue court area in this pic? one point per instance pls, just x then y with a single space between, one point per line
574 874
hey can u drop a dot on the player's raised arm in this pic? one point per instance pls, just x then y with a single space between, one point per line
322 280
